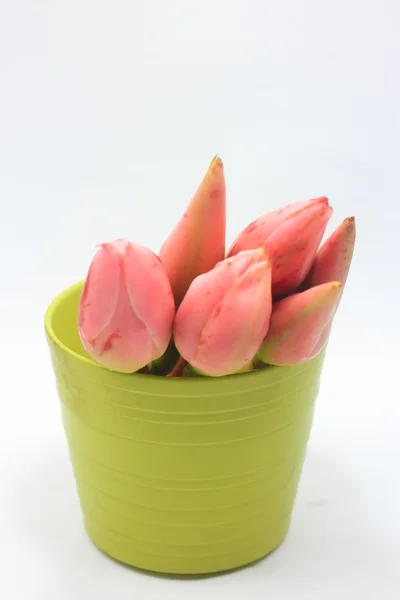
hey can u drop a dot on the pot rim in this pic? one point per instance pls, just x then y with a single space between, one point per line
256 376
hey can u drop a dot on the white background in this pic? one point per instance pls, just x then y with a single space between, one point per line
110 112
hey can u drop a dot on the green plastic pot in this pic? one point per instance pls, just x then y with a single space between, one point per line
184 476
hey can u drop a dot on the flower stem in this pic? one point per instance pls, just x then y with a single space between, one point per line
177 370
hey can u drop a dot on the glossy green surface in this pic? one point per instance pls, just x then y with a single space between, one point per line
175 475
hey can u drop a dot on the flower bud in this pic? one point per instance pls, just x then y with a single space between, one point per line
198 241
299 326
292 236
126 308
225 314
333 259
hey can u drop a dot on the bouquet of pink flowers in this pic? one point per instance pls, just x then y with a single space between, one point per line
196 310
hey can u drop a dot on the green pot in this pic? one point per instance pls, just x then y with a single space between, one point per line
174 475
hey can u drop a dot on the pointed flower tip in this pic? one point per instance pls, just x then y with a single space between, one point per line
323 205
333 289
120 244
104 246
319 207
320 200
216 162
324 293
350 223
215 172
330 287
346 232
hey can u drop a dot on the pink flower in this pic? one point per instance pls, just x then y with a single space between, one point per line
299 325
126 309
225 314
198 241
292 236
333 261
